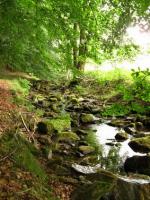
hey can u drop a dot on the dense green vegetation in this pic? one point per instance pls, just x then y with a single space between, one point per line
55 114
37 36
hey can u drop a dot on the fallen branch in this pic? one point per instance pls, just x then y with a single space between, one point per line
26 127
8 155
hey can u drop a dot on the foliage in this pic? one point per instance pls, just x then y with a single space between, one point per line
116 110
141 87
21 86
46 37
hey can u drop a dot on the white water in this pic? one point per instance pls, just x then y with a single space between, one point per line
105 133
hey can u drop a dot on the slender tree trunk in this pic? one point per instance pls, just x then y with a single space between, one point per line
82 50
75 47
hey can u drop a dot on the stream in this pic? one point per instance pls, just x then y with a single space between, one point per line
105 136
111 154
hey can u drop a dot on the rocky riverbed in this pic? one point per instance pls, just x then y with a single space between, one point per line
77 140
84 155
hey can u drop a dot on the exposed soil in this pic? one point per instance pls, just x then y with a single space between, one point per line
7 107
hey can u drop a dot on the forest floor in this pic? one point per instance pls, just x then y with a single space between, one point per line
13 179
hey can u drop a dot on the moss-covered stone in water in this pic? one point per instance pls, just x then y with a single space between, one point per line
87 118
121 136
141 145
100 184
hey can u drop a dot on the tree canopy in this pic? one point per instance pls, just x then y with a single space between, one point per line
50 34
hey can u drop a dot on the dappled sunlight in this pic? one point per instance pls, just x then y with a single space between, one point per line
140 36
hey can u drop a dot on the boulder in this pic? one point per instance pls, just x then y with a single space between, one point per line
138 164
141 145
95 187
121 136
130 189
104 185
130 130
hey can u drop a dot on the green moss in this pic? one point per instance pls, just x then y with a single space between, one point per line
141 145
102 184
143 141
87 118
86 149
24 154
71 136
62 123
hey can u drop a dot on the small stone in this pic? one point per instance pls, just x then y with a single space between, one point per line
86 149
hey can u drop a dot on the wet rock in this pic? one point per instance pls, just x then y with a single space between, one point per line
118 123
87 118
138 164
139 126
141 145
130 130
121 136
85 169
104 185
130 189
110 144
96 186
86 149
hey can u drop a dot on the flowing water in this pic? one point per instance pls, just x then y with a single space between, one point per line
110 153
105 136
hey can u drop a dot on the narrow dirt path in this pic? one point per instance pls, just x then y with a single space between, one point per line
6 106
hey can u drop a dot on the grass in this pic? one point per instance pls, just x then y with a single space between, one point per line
33 182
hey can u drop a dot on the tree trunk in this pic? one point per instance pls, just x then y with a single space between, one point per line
75 47
82 50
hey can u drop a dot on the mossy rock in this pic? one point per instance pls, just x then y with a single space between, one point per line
50 126
100 184
121 136
141 145
45 127
130 189
87 118
86 149
118 123
68 137
138 164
